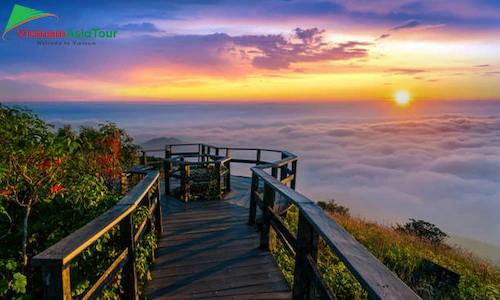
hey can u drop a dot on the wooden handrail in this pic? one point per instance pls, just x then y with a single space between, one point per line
376 279
221 155
56 260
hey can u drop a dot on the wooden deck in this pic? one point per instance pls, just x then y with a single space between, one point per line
207 250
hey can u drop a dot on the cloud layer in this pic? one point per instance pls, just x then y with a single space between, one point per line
443 168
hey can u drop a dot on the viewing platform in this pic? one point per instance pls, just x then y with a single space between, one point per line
218 248
207 250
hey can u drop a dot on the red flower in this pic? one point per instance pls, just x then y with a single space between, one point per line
6 192
57 161
56 188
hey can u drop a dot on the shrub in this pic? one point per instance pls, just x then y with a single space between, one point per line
333 207
50 185
423 230
402 253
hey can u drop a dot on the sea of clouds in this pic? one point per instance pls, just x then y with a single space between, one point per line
443 168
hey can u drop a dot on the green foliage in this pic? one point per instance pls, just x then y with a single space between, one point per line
205 191
333 207
403 254
51 184
204 186
11 280
423 230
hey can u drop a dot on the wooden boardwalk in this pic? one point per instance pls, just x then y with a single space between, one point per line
208 251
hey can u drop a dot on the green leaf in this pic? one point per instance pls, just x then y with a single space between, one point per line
19 283
11 265
4 212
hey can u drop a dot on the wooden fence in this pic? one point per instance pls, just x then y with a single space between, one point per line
276 178
55 261
279 178
376 279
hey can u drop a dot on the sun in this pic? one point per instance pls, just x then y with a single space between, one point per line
402 98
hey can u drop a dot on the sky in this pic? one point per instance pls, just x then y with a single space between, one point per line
273 50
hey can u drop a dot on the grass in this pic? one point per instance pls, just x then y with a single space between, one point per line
404 255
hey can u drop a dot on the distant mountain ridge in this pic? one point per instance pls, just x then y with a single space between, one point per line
482 249
159 143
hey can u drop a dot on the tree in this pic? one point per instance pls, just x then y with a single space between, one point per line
29 158
112 148
333 207
423 230
50 185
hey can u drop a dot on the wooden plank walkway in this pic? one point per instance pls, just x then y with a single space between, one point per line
208 251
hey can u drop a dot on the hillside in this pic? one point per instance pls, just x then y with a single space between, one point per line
406 255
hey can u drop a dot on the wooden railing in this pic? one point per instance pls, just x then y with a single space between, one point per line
279 178
285 168
180 168
374 277
55 261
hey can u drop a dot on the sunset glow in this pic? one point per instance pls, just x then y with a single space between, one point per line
265 51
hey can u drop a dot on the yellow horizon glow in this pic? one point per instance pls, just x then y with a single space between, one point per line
424 68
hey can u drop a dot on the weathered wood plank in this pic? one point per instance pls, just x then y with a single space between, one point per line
56 282
69 247
258 200
288 179
307 246
246 259
208 250
129 280
267 239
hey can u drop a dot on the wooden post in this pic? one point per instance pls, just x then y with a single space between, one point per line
56 282
203 152
167 166
253 205
228 152
144 158
258 156
185 174
151 223
265 238
283 172
217 170
217 151
307 244
157 212
228 178
294 172
283 168
129 281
